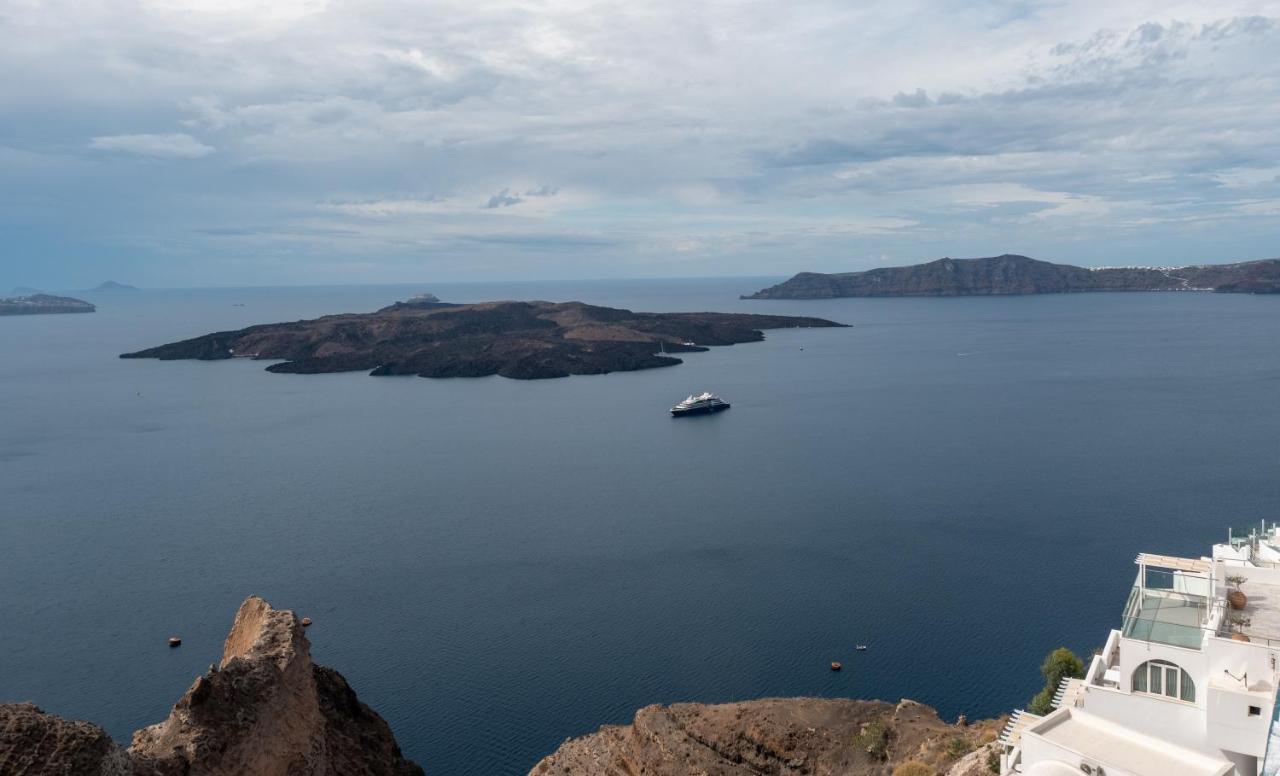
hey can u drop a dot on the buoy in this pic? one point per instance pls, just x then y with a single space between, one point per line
306 622
835 666
174 641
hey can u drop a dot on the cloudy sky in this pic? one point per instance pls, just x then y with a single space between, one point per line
193 142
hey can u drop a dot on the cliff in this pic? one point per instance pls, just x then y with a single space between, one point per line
822 737
41 304
264 710
522 340
1012 274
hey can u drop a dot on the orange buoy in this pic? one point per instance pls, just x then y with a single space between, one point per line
836 666
306 621
174 641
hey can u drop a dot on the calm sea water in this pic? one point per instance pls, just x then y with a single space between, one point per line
496 565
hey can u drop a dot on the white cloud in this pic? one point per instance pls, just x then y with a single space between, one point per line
176 146
707 127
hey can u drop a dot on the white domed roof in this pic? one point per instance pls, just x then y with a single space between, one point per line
1050 768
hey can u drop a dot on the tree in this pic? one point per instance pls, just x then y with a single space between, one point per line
1059 664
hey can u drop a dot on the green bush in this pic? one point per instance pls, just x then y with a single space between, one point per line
874 739
1058 665
993 759
913 768
958 747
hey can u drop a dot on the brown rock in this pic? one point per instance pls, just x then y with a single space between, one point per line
264 710
823 737
33 743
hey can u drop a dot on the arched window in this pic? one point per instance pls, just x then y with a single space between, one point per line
1160 677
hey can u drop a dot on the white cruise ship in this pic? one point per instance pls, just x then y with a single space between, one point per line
700 405
1186 686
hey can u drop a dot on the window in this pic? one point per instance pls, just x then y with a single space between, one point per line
1160 677
1255 711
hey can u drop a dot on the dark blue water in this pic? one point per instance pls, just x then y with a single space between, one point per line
496 565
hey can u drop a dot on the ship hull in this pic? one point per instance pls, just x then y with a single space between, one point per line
699 410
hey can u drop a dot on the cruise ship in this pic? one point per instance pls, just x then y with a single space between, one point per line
701 404
1187 683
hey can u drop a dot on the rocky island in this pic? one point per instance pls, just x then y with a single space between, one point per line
522 340
111 285
1013 274
264 710
43 304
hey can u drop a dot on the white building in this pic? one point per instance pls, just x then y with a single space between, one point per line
1186 685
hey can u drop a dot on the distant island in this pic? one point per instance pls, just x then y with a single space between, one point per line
111 285
1013 274
43 304
521 340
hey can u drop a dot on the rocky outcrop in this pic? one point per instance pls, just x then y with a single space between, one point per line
264 710
33 743
522 340
43 304
822 737
1012 274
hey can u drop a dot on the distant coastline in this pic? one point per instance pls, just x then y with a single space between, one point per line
43 304
1011 274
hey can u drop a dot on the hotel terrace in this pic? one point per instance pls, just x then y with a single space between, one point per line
1186 684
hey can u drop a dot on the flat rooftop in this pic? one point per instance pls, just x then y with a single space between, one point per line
1109 744
1263 611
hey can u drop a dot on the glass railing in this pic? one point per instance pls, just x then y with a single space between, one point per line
1171 633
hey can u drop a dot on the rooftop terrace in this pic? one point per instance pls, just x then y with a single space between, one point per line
1171 601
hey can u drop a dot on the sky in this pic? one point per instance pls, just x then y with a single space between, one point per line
191 143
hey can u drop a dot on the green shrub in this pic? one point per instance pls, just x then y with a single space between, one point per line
958 747
913 768
1058 665
1041 703
993 759
874 739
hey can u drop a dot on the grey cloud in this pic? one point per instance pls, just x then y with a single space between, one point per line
919 99
544 240
173 146
644 121
503 198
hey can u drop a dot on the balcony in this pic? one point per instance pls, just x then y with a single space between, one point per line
1166 616
1170 602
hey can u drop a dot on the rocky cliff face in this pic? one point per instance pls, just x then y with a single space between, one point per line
264 710
822 737
33 743
1011 274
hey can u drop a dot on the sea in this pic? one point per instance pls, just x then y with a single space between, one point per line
496 565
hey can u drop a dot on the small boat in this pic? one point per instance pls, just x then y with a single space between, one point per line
174 641
861 647
835 666
701 404
306 622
